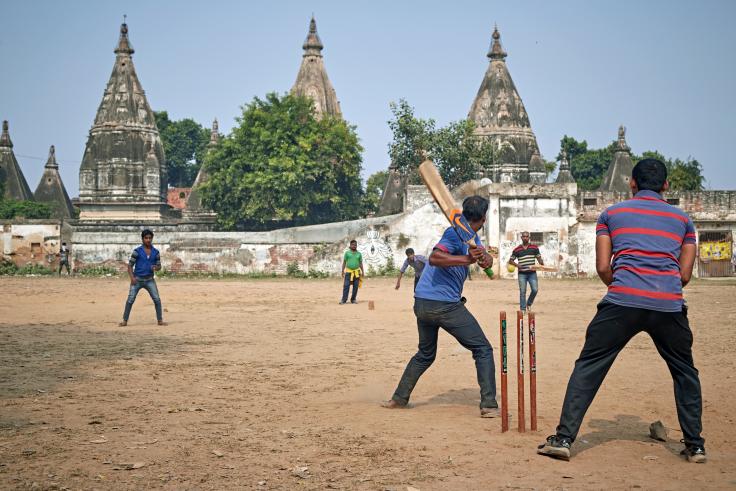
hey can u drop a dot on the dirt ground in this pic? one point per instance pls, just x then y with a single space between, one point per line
270 384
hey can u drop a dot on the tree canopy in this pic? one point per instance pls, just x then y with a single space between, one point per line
455 150
11 208
283 165
589 166
185 145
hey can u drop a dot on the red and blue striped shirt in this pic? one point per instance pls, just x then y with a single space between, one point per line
647 234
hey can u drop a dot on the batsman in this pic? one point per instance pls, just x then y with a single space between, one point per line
438 303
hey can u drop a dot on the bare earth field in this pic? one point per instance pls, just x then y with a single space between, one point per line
270 384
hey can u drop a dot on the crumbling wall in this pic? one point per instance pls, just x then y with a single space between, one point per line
31 242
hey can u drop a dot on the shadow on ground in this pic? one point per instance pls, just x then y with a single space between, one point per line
624 427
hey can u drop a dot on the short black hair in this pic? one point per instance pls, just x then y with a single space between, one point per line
475 208
145 233
353 241
63 243
650 175
409 251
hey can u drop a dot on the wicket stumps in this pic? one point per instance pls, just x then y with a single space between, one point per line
519 372
504 372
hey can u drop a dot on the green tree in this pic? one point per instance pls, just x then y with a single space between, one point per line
10 208
185 145
455 150
683 175
373 191
283 165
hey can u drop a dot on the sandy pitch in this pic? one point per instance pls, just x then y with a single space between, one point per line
272 385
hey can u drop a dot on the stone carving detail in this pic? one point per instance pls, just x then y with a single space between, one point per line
376 252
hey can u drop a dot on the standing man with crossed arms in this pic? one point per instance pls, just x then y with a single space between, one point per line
524 258
645 251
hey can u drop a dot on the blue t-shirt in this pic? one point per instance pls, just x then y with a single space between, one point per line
142 264
444 284
647 235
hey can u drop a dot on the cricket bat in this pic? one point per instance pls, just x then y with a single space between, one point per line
539 267
446 202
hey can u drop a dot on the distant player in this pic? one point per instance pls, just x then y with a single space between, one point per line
645 251
144 261
438 303
417 262
352 268
524 257
64 259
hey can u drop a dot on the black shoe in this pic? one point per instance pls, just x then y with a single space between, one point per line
694 454
353 301
558 448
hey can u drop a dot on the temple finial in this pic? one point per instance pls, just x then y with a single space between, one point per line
214 133
5 137
622 146
313 44
496 51
51 161
124 47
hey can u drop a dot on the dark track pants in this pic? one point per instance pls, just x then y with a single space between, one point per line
609 331
454 318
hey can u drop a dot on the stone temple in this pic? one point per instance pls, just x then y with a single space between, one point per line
500 116
312 80
123 171
11 175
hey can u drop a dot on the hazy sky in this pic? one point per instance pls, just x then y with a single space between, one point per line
665 69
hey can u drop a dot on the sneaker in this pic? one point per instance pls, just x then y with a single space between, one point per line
353 301
342 302
490 412
555 447
528 308
694 454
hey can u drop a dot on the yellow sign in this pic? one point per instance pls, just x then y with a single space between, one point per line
715 251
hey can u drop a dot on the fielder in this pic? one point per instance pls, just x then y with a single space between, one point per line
417 262
645 251
144 260
438 303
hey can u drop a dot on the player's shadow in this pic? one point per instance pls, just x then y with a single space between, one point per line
465 397
624 427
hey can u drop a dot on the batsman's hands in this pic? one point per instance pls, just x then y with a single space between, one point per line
482 257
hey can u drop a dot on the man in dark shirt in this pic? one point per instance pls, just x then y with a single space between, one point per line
524 258
438 303
64 259
144 260
415 261
645 251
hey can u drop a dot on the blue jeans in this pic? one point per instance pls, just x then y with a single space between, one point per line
531 278
454 318
346 288
148 285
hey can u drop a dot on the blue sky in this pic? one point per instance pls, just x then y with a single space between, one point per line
665 69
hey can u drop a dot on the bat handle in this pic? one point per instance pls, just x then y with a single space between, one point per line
489 272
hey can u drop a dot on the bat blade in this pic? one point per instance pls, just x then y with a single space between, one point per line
446 202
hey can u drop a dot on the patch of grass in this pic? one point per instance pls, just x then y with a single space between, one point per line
102 270
8 268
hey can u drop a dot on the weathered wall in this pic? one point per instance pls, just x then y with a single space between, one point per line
31 241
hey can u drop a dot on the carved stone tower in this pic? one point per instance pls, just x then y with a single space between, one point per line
123 171
619 172
500 116
312 80
11 176
51 189
195 210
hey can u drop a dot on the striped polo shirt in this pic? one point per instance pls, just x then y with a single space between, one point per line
647 235
527 257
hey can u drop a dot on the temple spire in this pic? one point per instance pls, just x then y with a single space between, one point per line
496 52
124 47
313 44
51 161
51 189
564 176
5 137
214 134
312 80
619 170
